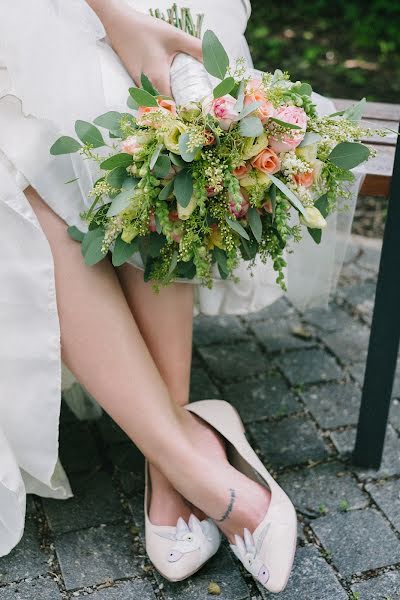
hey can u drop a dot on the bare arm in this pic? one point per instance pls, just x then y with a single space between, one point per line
143 43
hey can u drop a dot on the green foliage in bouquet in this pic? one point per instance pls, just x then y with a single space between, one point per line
200 187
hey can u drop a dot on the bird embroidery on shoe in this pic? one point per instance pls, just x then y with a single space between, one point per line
188 537
247 551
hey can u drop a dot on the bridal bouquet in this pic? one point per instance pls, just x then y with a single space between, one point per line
199 187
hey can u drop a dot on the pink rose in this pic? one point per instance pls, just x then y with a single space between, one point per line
223 109
254 93
295 116
239 209
131 145
304 179
267 161
242 170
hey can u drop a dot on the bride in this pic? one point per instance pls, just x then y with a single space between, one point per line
130 348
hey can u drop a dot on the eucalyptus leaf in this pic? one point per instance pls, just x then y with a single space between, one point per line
75 233
288 193
65 145
221 258
183 187
323 205
309 139
155 155
240 98
251 127
123 251
124 198
142 98
248 109
155 242
167 190
255 223
131 103
223 88
348 155
304 89
91 246
162 166
148 86
355 112
237 227
215 58
176 160
109 120
173 263
284 124
187 155
116 177
118 160
316 234
89 134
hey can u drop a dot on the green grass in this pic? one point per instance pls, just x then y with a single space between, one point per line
344 49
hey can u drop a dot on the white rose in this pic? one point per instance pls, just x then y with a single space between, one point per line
313 219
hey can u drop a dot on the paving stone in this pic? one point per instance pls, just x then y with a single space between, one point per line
132 482
311 579
78 451
387 496
358 369
324 488
353 273
358 540
350 344
26 560
280 308
308 366
333 404
369 258
217 330
95 555
110 431
39 589
395 414
220 569
201 386
126 590
241 360
345 440
277 335
383 587
291 441
127 457
269 396
360 296
136 504
353 251
95 502
327 319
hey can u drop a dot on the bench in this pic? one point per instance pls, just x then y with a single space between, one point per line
383 179
379 169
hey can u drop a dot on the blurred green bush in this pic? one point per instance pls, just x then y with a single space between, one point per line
343 48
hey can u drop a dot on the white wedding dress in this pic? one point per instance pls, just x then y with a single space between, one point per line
56 66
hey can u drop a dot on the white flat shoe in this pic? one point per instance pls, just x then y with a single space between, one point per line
268 553
178 552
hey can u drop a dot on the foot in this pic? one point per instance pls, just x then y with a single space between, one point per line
166 504
234 502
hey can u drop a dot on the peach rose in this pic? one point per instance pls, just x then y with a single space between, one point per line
267 161
131 145
242 170
295 116
304 179
255 93
223 109
166 106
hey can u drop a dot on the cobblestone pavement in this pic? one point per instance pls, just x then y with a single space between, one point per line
295 379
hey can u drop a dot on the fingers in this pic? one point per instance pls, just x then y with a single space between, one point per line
191 45
161 81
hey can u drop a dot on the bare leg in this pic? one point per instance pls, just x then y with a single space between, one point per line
103 347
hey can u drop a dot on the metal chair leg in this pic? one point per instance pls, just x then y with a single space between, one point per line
384 339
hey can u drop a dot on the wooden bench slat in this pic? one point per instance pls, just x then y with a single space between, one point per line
373 110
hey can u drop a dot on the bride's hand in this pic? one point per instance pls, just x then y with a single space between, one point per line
143 43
